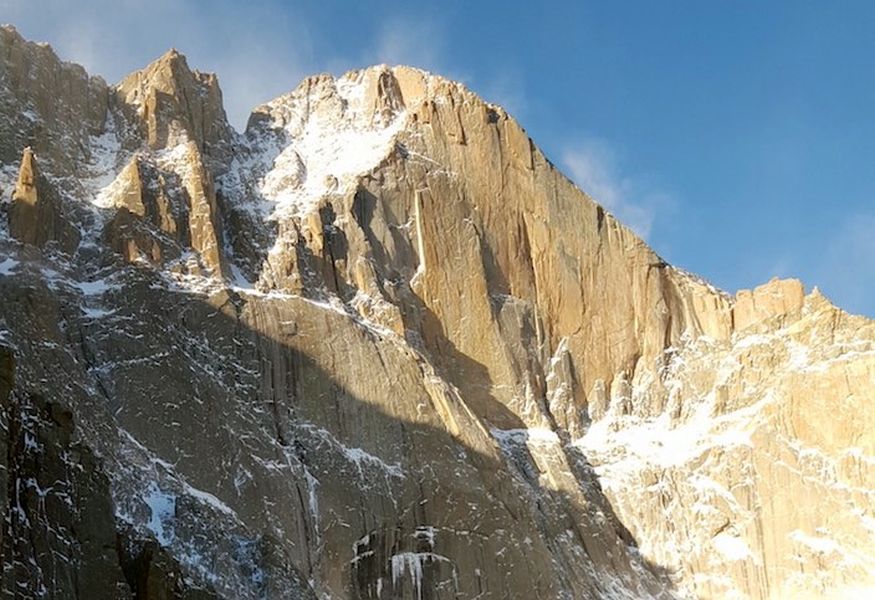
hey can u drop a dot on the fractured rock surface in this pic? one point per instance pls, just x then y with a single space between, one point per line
377 346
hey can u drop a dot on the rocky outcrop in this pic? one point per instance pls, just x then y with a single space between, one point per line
473 240
780 299
145 217
165 209
34 80
762 462
175 104
379 347
59 539
36 215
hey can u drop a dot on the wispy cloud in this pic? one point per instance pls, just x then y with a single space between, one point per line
404 41
846 269
257 51
254 61
594 167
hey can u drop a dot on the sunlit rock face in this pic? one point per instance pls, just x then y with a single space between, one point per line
376 346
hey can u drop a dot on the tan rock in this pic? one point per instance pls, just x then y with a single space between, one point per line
766 464
37 215
176 104
165 209
457 375
778 299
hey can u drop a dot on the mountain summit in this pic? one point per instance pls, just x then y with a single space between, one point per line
375 347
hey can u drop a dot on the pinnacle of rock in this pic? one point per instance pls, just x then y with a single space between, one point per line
175 103
36 216
25 187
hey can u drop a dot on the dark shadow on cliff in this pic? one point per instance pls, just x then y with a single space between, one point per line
204 382
296 387
471 377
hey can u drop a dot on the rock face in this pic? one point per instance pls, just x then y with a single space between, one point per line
174 103
162 212
378 347
33 81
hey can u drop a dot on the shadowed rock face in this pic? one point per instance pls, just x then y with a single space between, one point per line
377 347
33 81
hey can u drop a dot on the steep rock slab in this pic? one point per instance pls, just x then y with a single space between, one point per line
59 538
757 481
486 253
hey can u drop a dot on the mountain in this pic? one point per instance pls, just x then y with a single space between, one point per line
377 346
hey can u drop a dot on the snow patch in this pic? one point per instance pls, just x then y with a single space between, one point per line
239 282
7 266
817 543
533 435
106 149
629 443
731 547
313 497
94 288
106 195
208 499
96 313
356 456
162 506
314 141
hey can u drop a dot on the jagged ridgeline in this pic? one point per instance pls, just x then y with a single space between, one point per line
378 347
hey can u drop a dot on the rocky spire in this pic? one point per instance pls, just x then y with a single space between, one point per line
174 102
36 216
164 209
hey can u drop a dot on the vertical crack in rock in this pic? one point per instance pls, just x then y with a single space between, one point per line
376 346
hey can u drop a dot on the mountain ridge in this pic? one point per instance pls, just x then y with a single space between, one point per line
173 57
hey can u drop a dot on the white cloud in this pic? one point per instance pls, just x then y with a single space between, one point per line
593 166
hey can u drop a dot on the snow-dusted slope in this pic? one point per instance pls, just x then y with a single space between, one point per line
762 461
378 347
311 145
329 132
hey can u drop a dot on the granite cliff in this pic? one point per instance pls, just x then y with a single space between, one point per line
377 346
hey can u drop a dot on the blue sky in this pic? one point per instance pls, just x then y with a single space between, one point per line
737 137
